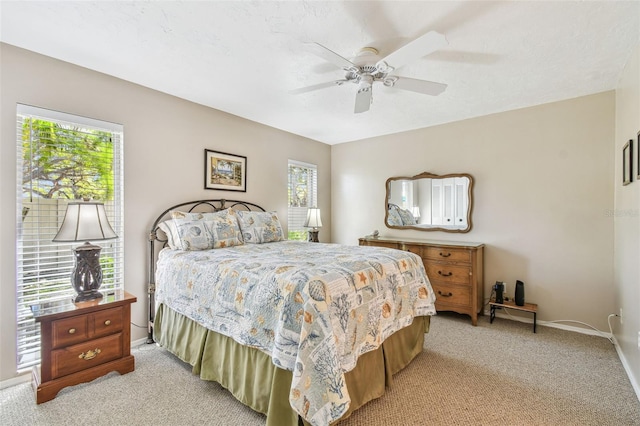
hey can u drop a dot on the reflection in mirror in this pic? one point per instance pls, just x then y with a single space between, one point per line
430 202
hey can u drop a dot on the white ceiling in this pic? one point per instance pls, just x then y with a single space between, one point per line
243 57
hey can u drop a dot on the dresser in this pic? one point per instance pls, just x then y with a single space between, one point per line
455 270
82 341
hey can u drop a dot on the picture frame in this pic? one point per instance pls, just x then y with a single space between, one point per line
224 171
627 162
638 156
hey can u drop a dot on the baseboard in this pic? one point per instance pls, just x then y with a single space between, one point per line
25 375
138 342
627 369
552 324
611 337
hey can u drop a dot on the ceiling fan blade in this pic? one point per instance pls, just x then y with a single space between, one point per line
330 56
421 86
422 46
363 100
317 87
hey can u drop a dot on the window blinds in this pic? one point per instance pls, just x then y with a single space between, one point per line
302 194
61 158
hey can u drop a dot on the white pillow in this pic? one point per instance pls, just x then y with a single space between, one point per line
169 228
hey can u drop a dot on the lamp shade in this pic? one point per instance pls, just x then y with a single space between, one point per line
85 222
313 218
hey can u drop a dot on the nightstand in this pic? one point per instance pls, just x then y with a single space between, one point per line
82 341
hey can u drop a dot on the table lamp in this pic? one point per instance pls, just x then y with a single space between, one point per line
86 222
314 222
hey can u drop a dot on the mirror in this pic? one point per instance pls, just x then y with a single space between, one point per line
429 202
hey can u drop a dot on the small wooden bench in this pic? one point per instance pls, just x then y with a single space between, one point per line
527 307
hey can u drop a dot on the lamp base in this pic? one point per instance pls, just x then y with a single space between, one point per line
86 277
89 295
313 236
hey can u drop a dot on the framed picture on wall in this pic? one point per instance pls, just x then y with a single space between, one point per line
627 161
226 172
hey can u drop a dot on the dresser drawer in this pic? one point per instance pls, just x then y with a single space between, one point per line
452 295
108 321
447 254
85 355
413 249
444 273
384 244
70 330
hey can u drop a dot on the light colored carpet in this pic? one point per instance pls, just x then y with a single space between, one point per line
498 373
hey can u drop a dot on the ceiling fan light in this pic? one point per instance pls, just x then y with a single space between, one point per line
390 81
384 68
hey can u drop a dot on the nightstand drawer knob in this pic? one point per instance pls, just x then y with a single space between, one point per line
448 274
445 295
107 322
445 255
72 330
90 354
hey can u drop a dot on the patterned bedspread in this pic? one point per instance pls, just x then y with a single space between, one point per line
313 307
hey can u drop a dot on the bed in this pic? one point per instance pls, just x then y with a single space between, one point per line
299 331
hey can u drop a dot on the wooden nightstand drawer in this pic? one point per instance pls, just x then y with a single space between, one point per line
69 331
440 273
85 355
108 321
452 295
447 254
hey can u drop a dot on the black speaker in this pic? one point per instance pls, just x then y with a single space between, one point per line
499 288
519 293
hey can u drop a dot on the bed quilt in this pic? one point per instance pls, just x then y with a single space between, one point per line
313 307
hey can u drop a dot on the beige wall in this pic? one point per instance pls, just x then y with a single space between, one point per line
542 197
627 219
164 146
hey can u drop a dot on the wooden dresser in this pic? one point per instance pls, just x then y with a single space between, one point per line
82 341
455 270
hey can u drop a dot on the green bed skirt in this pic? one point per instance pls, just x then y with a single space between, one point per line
252 378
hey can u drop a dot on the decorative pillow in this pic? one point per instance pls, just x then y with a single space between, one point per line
407 217
175 214
223 227
193 235
260 227
170 230
393 218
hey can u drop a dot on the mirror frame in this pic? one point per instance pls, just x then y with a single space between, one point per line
426 175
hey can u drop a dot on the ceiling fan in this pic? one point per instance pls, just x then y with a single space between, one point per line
367 68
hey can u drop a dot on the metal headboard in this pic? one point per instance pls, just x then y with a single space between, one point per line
200 206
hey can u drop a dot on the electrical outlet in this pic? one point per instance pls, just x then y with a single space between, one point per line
621 317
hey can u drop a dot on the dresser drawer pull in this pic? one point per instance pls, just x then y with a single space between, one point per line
72 330
90 354
107 322
445 255
448 274
445 295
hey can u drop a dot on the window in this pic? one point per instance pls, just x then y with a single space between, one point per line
61 158
303 193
